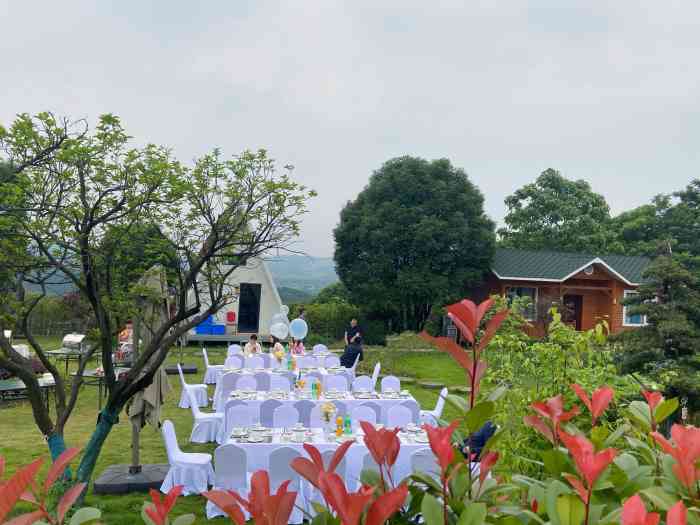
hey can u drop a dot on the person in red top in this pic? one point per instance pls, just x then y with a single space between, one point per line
297 347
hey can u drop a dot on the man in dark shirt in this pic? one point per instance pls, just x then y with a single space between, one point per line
475 443
353 345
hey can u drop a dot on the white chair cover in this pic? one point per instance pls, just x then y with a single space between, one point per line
236 414
201 394
391 383
375 408
278 382
267 360
331 361
319 349
306 361
233 350
354 365
191 470
280 470
337 382
414 407
230 474
363 413
285 417
375 375
430 417
234 361
227 384
424 461
362 383
267 409
315 419
206 427
263 381
314 493
341 408
246 382
368 463
211 372
254 361
398 416
304 407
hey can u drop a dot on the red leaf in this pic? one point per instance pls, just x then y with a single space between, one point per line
155 516
492 327
589 463
2 467
677 515
460 355
306 469
482 309
59 466
634 513
15 487
601 399
653 399
578 486
465 312
339 455
534 505
70 497
582 395
171 498
386 505
314 454
535 422
440 439
488 460
227 503
27 519
462 327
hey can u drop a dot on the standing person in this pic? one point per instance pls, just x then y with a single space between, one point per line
302 312
297 347
353 345
252 346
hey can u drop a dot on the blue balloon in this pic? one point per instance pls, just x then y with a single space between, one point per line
298 329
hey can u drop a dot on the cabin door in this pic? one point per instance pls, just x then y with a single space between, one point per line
249 308
572 311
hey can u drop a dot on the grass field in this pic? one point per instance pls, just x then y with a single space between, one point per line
21 442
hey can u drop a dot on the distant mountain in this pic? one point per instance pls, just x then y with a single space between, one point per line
294 296
302 273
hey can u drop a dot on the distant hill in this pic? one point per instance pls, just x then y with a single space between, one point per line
305 274
294 296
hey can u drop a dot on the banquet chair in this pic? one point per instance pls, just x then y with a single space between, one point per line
285 417
306 361
234 361
278 382
280 470
390 383
375 376
315 418
200 391
341 408
192 470
398 416
376 409
234 349
363 413
263 380
206 426
319 349
424 461
255 361
211 372
246 382
236 414
227 384
337 382
413 406
304 407
431 417
267 360
332 361
267 408
362 383
231 463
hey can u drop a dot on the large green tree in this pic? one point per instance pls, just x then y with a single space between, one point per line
416 235
555 213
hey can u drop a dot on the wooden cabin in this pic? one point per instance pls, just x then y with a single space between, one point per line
586 289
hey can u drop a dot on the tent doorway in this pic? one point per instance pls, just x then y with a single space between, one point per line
249 308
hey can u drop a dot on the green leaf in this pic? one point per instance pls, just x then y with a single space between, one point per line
615 435
554 489
555 461
146 519
322 518
425 479
431 509
477 416
458 402
473 514
570 509
665 409
371 478
494 439
85 515
659 498
497 393
639 412
598 436
185 519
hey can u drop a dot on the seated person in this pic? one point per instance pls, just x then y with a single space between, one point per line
297 347
353 345
252 346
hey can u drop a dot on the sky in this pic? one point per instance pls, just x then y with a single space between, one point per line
604 91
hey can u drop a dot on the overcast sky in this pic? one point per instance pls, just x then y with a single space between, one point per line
605 91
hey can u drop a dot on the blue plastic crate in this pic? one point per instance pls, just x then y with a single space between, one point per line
208 320
203 329
218 329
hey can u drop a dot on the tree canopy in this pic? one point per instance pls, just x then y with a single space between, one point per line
555 213
416 235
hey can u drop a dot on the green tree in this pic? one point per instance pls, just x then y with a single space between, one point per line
97 187
641 229
415 234
336 292
555 213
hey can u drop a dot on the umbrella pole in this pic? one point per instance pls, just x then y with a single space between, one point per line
135 467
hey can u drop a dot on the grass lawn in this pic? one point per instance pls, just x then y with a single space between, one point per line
21 442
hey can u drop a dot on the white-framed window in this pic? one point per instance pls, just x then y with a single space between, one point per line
529 312
630 319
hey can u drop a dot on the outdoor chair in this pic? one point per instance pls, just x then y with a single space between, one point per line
375 376
278 382
234 361
315 418
363 413
236 414
332 361
280 470
414 407
398 416
234 350
227 384
211 372
267 409
304 407
362 383
319 349
285 417
246 382
263 380
206 426
376 409
192 470
431 417
306 362
230 473
337 382
391 383
201 394
255 361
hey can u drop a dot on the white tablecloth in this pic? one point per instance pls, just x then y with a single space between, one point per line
349 400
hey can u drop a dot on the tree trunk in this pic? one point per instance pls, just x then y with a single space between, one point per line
105 421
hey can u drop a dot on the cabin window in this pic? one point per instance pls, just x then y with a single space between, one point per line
530 311
630 319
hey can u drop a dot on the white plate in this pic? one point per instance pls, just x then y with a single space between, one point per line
421 438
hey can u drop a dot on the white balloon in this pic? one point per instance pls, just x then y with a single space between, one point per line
279 330
285 310
279 318
298 329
